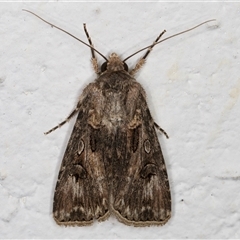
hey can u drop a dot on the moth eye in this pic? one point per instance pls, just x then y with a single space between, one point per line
125 67
104 67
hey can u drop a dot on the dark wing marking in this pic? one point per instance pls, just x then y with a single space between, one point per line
81 193
141 193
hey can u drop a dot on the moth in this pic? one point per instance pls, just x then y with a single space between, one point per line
113 163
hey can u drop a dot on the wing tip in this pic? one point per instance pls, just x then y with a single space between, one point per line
83 223
141 223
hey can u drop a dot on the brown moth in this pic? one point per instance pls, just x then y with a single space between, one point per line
113 163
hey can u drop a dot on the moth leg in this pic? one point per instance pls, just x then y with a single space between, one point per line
94 59
66 120
161 130
142 60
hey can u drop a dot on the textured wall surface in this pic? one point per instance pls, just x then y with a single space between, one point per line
193 87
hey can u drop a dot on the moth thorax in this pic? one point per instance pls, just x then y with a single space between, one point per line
115 63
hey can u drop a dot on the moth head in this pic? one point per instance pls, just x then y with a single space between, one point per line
114 64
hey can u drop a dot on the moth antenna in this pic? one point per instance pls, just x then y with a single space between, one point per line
52 25
174 35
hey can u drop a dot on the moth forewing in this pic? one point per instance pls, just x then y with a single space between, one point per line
113 163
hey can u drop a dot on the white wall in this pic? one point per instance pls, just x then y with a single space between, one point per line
193 87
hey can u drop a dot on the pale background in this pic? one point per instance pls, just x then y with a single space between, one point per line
193 87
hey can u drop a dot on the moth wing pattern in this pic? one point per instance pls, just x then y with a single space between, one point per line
81 193
142 197
113 162
111 167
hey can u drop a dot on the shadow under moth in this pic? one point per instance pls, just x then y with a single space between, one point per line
113 163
